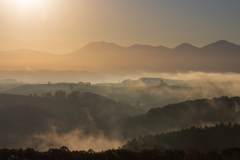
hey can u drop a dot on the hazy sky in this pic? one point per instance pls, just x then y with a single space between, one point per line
62 26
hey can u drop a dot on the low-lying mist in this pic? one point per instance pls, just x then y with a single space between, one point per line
106 114
74 140
160 89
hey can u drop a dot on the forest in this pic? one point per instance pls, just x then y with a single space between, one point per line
61 118
63 153
206 138
127 115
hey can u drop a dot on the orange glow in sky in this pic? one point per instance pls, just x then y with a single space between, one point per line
62 26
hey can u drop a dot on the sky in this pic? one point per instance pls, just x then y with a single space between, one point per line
63 26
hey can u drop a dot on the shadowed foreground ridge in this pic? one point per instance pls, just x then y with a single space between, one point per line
185 114
218 137
64 154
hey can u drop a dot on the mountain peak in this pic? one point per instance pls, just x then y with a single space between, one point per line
102 45
222 41
139 46
185 46
147 47
221 44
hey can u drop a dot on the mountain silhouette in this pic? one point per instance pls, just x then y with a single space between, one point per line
100 46
220 56
185 47
147 47
221 44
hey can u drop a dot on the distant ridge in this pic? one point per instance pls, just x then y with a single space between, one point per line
104 44
221 44
185 46
220 56
139 46
101 45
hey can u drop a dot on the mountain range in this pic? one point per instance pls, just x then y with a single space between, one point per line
220 56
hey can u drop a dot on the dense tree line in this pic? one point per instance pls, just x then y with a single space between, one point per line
120 154
183 115
205 138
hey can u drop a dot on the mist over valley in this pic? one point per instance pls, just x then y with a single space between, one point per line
119 80
83 115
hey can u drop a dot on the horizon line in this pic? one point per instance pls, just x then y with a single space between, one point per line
108 42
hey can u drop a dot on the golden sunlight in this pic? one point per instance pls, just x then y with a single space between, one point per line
25 4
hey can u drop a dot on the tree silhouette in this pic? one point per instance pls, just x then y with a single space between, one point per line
219 136
60 94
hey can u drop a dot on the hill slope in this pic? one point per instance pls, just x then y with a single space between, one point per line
26 120
182 115
219 137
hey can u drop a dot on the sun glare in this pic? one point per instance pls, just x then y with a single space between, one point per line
29 3
25 4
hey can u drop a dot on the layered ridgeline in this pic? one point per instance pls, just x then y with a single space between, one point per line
173 117
87 120
76 120
220 56
219 137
